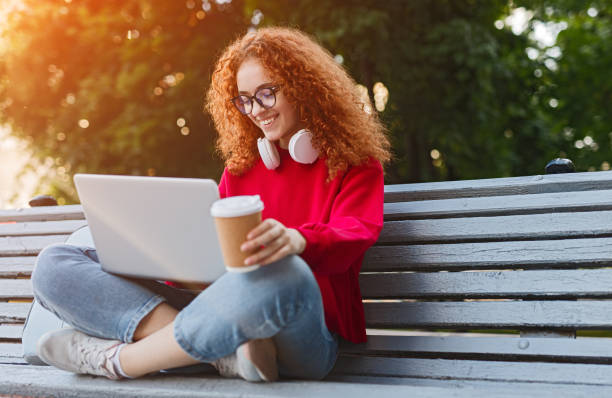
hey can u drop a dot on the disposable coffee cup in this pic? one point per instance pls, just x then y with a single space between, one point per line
235 217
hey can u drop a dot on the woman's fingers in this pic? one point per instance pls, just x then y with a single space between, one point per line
273 241
279 254
270 252
265 237
260 228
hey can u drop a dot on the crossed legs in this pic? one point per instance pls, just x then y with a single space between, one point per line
165 332
155 330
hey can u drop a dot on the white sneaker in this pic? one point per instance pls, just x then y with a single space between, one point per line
254 361
227 366
76 352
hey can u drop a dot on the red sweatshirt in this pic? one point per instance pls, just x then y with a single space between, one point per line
340 220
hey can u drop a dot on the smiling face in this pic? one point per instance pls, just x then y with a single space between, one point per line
279 122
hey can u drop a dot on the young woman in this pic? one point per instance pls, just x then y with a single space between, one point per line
294 130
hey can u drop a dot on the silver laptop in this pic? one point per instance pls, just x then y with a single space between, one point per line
153 227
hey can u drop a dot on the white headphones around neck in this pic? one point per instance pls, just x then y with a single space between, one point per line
300 149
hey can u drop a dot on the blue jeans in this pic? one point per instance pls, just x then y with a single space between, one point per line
281 300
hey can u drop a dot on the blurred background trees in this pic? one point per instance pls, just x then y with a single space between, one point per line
468 88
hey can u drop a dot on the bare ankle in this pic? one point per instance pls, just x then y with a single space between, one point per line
159 317
262 354
116 361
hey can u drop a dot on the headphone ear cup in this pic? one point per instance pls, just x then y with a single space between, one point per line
268 153
301 149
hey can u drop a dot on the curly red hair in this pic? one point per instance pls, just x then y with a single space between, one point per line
344 129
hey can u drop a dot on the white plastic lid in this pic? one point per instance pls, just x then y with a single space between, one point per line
236 206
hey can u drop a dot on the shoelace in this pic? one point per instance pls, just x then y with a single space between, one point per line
93 358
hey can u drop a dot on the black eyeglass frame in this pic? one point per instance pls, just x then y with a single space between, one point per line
274 90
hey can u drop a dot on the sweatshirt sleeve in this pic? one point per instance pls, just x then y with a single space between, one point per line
355 222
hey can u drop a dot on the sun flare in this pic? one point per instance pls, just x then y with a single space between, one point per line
15 189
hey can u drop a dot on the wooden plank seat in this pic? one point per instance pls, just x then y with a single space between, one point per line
494 286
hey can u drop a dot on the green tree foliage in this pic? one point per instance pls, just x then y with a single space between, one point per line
118 86
577 93
457 84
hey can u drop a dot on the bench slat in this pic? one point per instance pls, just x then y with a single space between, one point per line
16 266
16 271
43 213
41 228
592 283
490 315
27 245
11 353
508 284
533 226
49 381
15 289
506 205
568 373
583 350
14 312
494 255
569 182
17 261
11 332
517 186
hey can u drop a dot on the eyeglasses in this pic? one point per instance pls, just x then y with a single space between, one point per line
265 97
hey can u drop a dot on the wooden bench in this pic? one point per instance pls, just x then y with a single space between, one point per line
527 258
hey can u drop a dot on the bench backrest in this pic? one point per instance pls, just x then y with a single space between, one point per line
23 233
526 257
523 257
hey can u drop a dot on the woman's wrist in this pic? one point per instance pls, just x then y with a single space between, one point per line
298 240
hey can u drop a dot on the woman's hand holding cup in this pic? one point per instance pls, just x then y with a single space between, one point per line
275 240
